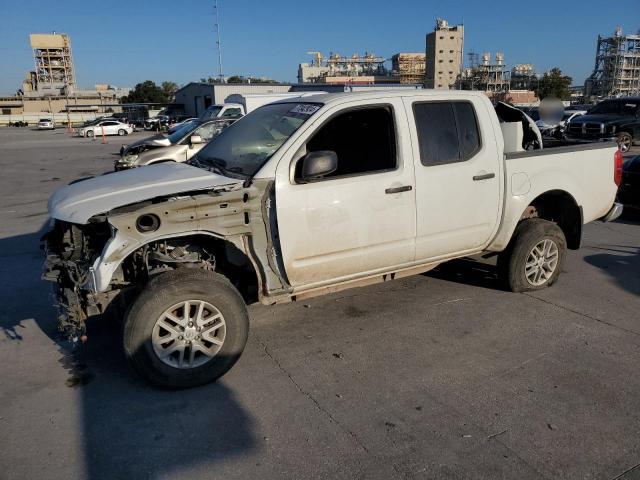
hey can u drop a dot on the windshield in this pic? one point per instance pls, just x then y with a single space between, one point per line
211 112
180 125
246 145
534 114
179 134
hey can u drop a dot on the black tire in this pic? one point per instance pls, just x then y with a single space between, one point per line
512 262
122 132
89 134
160 294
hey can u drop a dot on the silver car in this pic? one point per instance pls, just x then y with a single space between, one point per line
180 146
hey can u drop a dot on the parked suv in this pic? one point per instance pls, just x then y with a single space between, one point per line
618 119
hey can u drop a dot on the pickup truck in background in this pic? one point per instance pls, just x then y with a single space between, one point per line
615 119
309 196
238 105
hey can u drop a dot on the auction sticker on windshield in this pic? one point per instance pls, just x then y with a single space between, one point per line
305 109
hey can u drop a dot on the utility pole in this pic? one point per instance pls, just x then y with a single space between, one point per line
219 45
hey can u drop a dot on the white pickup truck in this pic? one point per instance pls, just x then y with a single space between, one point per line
309 196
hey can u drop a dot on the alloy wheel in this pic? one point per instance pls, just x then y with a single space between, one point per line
188 334
542 262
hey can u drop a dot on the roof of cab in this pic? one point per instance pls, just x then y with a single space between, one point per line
327 98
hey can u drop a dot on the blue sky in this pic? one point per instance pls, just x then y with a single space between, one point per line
124 43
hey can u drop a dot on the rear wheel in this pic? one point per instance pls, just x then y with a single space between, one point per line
187 328
625 140
534 257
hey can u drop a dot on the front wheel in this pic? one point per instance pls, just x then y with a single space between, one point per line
90 134
187 328
122 132
625 140
534 257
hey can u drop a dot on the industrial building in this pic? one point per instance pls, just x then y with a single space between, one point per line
409 67
52 88
617 67
444 55
356 69
487 76
53 61
523 77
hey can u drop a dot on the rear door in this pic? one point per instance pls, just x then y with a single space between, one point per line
458 175
361 218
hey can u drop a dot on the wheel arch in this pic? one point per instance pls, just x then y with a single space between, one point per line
232 260
560 207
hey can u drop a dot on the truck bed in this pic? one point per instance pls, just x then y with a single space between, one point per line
584 171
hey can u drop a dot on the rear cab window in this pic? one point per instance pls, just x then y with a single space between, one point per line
447 131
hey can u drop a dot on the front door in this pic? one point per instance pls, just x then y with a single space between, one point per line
361 218
458 176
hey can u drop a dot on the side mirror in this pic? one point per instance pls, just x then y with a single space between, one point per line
195 139
319 164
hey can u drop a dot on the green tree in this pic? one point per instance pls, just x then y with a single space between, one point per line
146 92
554 84
239 79
170 89
210 80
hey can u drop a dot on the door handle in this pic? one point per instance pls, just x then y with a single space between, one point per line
485 176
405 188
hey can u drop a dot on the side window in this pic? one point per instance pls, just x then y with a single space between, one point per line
447 132
363 139
232 112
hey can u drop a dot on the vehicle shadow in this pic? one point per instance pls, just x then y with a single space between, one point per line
622 264
468 271
129 429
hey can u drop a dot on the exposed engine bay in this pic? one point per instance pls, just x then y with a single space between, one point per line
71 249
101 266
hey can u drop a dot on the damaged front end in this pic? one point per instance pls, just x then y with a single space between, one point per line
69 251
130 155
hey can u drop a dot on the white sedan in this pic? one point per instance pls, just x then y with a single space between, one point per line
110 127
46 124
